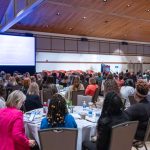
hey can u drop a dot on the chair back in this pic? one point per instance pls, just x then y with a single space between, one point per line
46 94
147 133
124 102
122 136
5 94
81 98
132 100
96 94
8 91
75 96
58 139
16 87
85 85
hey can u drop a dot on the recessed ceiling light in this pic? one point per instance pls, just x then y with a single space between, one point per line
58 14
148 10
70 28
104 0
128 5
106 21
84 17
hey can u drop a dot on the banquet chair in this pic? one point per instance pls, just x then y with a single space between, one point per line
8 91
75 96
95 97
58 139
5 94
81 98
16 87
124 102
132 100
122 136
139 144
85 85
46 94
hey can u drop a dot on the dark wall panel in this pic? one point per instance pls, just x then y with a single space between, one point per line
58 44
131 49
104 47
114 48
147 50
94 47
71 45
140 49
83 47
76 45
43 43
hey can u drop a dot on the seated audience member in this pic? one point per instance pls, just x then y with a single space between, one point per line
120 81
26 84
111 85
12 133
44 75
99 79
91 88
64 81
111 115
110 76
54 77
133 77
33 79
58 115
102 86
49 81
33 100
126 91
19 81
141 110
75 87
2 100
39 80
12 82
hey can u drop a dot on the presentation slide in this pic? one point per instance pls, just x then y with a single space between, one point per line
17 50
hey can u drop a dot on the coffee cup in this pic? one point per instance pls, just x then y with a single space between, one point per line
83 115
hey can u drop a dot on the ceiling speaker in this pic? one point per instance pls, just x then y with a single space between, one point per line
124 43
84 39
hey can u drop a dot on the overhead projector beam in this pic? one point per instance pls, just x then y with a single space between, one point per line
16 11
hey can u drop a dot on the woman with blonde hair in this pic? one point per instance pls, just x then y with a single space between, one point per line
12 82
33 89
12 133
75 87
33 100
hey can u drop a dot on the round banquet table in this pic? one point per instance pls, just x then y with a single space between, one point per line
86 127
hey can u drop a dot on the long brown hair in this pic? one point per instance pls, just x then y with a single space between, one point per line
76 83
111 85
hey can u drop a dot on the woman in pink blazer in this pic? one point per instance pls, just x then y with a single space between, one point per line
12 133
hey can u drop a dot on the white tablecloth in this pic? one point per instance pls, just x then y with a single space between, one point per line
86 129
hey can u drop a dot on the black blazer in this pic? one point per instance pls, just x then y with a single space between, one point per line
141 112
32 102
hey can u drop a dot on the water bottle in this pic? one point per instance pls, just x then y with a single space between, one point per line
90 113
45 108
84 105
